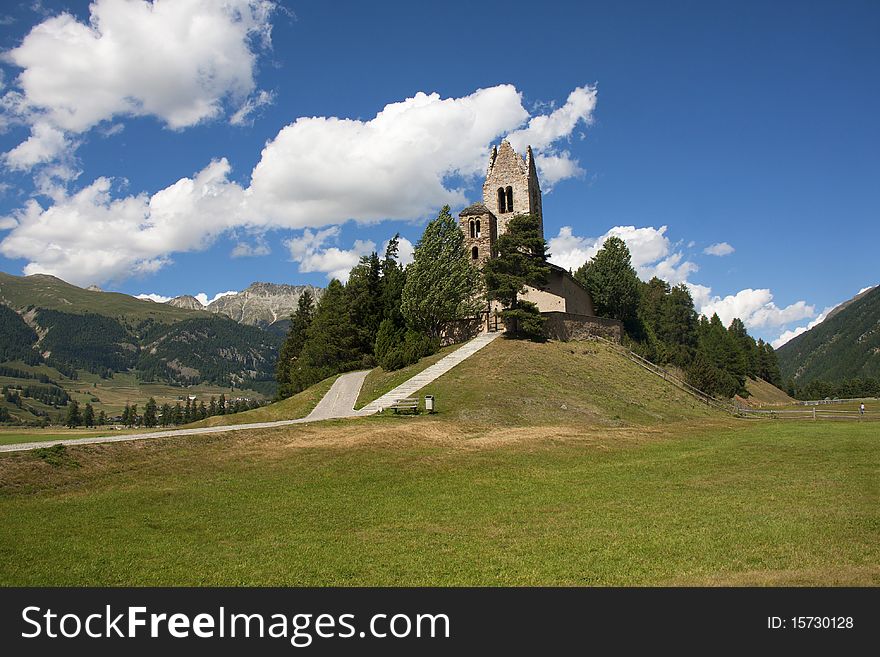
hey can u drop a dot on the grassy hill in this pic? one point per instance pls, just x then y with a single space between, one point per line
556 464
846 345
44 291
762 393
76 333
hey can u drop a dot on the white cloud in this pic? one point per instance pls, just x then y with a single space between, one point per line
311 255
650 249
719 249
653 255
251 105
785 336
545 130
406 251
92 237
756 309
158 298
203 299
246 250
45 144
316 172
181 61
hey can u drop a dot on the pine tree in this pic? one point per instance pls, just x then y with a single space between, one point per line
521 261
126 416
332 343
102 418
88 416
167 415
203 411
612 282
441 283
150 413
300 320
74 417
212 407
133 418
364 293
221 404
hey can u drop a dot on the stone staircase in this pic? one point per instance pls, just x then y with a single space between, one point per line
423 378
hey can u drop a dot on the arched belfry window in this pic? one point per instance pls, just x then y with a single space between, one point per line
473 229
475 253
478 229
510 199
502 200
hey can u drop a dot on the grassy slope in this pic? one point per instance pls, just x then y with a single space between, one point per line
378 381
292 408
513 383
763 393
525 492
45 291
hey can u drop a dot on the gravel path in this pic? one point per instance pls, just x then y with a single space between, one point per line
337 403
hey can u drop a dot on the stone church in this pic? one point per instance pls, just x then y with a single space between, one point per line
512 188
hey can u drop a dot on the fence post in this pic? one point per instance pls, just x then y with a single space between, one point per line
814 414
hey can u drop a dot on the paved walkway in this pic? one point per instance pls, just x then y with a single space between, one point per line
337 403
429 374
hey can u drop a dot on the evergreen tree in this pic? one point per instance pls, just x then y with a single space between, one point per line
441 283
74 417
521 261
212 407
364 295
177 414
612 282
332 343
150 409
167 415
88 416
102 418
203 411
221 404
126 416
300 320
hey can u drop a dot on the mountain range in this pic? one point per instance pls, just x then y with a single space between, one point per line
845 345
44 319
261 304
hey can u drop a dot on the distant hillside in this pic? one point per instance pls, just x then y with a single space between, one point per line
44 291
44 318
844 346
187 302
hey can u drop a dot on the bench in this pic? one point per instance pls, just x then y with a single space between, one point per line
408 405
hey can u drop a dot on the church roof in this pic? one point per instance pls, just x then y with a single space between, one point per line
474 209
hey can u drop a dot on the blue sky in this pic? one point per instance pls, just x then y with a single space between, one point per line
745 129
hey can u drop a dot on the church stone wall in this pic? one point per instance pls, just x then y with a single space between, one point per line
568 326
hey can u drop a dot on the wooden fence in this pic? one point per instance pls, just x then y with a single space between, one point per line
815 413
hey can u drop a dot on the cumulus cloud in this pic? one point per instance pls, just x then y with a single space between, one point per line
545 130
158 298
247 250
203 299
651 251
654 255
316 172
719 249
76 75
785 336
312 256
90 236
756 309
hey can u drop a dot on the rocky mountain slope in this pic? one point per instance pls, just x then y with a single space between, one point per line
844 346
262 304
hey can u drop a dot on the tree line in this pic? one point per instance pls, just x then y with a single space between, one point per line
392 316
153 415
662 325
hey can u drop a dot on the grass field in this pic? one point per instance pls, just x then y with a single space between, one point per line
587 473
